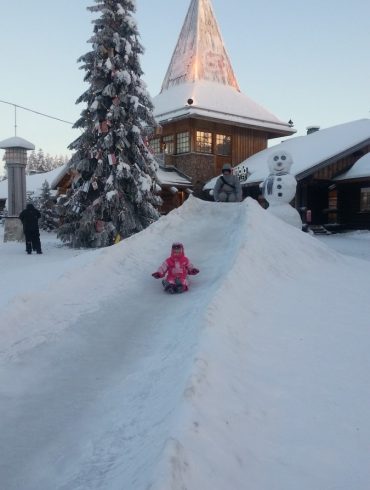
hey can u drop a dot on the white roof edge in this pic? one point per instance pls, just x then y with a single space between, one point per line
61 174
216 101
227 119
16 142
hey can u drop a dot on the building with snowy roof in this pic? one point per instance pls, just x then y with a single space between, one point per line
332 168
205 119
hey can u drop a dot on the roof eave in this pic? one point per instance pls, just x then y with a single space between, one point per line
274 132
351 180
334 158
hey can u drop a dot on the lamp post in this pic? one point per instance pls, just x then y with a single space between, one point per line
15 162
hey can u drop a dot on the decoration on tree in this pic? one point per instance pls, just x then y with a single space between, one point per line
112 159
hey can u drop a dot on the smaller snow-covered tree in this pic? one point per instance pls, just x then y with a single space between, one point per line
38 163
49 217
31 163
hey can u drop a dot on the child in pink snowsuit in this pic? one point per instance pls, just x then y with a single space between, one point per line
175 269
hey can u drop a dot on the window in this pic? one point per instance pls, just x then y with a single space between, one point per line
183 142
365 199
168 144
223 144
203 142
333 199
15 155
155 145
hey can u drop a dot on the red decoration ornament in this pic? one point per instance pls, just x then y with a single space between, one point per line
112 159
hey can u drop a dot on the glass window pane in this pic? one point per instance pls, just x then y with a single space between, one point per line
223 144
155 145
183 142
169 144
365 199
203 143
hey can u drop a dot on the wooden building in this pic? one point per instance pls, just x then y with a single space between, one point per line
173 186
204 118
352 190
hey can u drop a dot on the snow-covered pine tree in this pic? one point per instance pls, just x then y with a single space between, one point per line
41 162
115 194
32 163
38 163
49 217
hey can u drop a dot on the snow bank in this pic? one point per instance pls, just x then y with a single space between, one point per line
274 389
256 378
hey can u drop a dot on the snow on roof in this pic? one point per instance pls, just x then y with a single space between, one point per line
215 101
33 182
312 150
166 176
359 170
200 53
170 176
57 178
200 70
16 142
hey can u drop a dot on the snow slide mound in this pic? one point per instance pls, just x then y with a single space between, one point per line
270 402
139 390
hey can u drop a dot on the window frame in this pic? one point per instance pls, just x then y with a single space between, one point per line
223 144
181 147
168 143
207 145
156 150
365 200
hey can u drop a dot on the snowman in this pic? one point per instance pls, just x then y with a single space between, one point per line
280 187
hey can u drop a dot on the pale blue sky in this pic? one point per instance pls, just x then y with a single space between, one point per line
308 61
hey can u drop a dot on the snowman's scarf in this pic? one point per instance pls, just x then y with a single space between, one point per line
269 182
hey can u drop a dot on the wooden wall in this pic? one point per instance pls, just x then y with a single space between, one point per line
340 166
201 167
349 195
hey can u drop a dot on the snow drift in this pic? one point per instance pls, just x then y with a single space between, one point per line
249 380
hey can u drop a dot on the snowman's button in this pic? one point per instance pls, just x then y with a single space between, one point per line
280 194
279 186
279 179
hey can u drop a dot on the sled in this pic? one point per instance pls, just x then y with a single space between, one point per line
171 288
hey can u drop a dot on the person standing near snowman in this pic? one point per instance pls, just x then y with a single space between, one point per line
227 187
279 188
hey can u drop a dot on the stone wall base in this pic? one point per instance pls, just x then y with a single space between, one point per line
13 230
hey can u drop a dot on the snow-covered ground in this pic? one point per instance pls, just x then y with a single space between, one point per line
257 378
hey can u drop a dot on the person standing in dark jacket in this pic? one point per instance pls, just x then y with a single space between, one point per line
30 220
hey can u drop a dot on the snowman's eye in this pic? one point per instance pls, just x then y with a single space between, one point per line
276 158
283 157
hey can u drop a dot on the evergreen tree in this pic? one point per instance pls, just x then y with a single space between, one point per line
38 163
32 163
41 161
49 217
115 194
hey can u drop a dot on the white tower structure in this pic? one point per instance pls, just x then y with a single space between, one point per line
15 162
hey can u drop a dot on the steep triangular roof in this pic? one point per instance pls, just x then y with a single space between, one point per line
201 83
200 52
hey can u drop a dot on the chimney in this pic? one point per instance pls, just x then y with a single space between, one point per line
312 129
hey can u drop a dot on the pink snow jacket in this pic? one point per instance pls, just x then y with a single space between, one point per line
177 266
